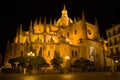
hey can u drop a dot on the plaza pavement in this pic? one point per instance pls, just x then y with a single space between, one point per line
67 76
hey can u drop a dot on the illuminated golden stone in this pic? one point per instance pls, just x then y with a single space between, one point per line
64 37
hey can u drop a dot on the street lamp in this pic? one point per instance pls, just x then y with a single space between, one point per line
30 55
66 67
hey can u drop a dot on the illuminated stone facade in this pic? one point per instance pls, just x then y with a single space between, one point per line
65 37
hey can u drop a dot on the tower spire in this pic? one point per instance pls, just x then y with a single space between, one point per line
35 22
54 21
64 11
96 22
50 21
40 20
44 20
97 27
83 16
64 8
30 28
84 24
74 19
18 35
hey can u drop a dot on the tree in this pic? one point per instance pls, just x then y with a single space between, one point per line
56 62
82 63
22 61
39 62
12 62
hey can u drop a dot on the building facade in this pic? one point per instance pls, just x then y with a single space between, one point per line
66 37
113 38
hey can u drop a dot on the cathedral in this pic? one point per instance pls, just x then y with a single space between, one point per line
66 37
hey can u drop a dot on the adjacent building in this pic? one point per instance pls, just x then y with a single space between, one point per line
74 38
113 38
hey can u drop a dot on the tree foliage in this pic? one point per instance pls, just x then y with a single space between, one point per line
39 62
82 63
12 61
56 62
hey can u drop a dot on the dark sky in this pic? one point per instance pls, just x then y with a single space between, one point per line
22 11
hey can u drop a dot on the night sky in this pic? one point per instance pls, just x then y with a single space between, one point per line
23 11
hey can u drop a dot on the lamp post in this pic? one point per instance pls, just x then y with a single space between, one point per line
30 55
116 62
66 66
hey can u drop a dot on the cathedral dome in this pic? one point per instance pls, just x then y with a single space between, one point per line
64 20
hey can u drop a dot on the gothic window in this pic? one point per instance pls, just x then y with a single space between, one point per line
48 53
75 31
72 53
21 53
40 51
68 34
55 53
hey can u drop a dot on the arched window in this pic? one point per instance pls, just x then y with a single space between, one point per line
72 53
40 51
48 53
21 53
68 34
75 53
75 31
55 53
